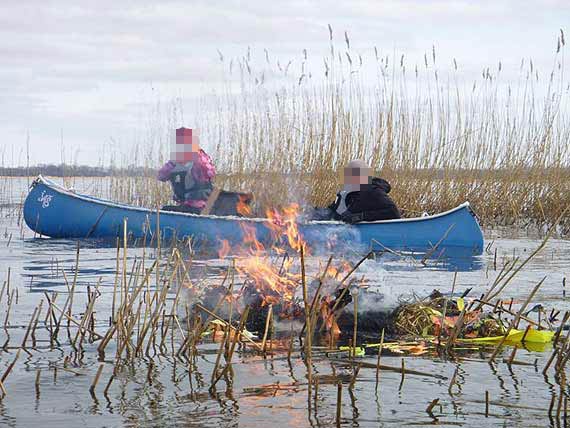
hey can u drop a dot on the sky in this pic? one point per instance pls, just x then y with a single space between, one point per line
79 80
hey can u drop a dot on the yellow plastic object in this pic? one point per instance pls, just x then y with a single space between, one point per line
460 303
433 311
359 352
533 336
222 325
515 336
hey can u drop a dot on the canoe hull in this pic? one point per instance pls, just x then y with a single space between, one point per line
51 210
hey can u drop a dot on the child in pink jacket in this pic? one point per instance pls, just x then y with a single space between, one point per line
190 172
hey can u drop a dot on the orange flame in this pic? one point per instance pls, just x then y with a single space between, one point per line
274 286
284 225
338 272
277 283
250 239
332 272
274 283
225 249
327 316
243 207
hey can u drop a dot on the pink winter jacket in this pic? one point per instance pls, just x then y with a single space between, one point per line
202 171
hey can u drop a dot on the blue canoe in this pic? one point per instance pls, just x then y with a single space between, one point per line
54 211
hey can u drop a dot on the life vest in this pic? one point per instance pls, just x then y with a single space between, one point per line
185 188
340 203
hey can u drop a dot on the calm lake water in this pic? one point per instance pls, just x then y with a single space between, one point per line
160 392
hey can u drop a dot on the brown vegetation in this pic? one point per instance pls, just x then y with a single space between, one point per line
501 145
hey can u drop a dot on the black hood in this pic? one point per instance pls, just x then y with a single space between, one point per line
382 184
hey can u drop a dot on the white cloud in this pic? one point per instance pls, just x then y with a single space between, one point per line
90 69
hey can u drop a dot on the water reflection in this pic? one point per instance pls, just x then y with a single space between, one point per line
162 391
44 260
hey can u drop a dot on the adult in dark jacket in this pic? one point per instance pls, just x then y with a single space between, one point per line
363 198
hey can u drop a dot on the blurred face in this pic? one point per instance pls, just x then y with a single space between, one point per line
356 176
186 146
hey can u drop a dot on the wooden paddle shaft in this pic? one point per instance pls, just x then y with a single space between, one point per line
211 201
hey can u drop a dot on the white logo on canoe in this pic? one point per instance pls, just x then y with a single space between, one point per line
45 199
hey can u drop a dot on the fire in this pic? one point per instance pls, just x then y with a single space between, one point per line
330 321
284 225
272 272
273 282
242 207
337 272
273 286
253 246
332 272
225 249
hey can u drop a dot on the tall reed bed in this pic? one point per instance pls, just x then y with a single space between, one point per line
284 132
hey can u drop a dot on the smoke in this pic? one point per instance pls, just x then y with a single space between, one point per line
377 292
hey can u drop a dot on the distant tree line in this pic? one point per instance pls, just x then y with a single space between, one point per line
63 170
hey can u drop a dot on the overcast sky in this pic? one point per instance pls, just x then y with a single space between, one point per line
87 72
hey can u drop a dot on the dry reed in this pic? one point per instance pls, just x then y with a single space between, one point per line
500 144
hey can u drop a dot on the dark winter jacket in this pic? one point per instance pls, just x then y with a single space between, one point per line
371 203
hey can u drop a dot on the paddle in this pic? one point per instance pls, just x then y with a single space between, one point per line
211 201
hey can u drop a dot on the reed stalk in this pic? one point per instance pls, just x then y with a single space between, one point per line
516 320
378 360
236 338
72 320
10 367
338 403
223 342
126 308
266 330
29 328
432 404
72 291
96 379
309 328
10 300
116 283
3 390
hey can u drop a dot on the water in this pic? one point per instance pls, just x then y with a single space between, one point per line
161 392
